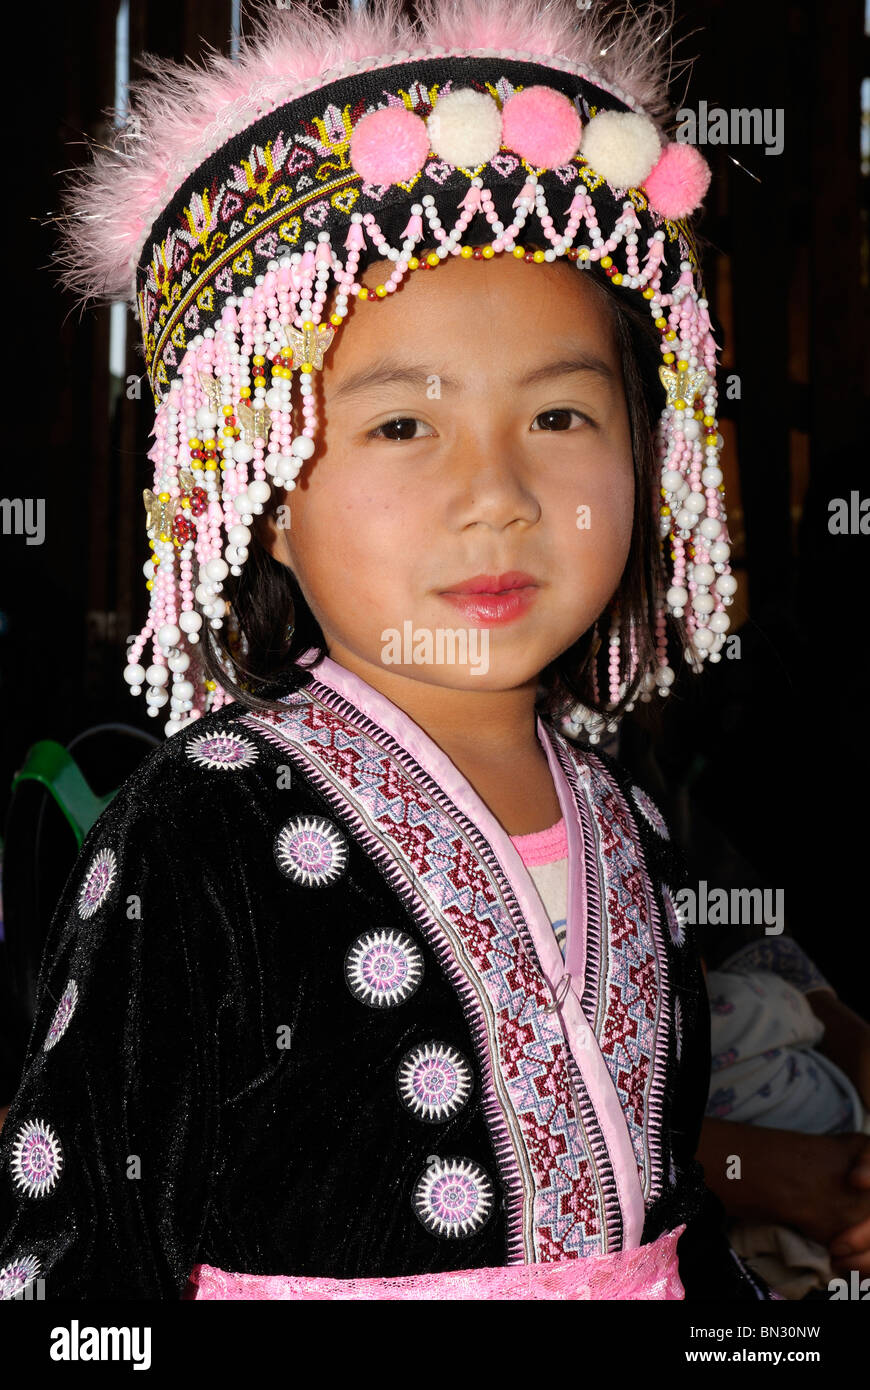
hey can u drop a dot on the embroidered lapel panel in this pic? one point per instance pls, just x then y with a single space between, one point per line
560 1194
626 991
557 1175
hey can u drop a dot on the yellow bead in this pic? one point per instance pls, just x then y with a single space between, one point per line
306 367
335 320
196 463
606 261
413 264
287 352
466 253
227 432
648 293
211 685
164 536
679 404
488 253
308 324
709 420
616 279
682 366
583 253
380 291
432 259
661 323
185 501
194 443
209 444
670 335
245 391
211 466
519 252
227 409
699 414
538 257
363 294
258 361
163 496
668 357
666 511
259 381
149 584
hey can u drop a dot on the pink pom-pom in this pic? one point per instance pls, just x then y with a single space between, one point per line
389 146
542 125
678 182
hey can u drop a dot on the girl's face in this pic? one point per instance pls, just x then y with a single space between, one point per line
473 423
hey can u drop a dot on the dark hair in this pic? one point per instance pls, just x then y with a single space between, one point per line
269 609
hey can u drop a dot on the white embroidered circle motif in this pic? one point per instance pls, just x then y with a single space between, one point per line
454 1198
650 812
676 917
383 968
62 1015
18 1275
311 850
98 882
434 1081
221 750
37 1158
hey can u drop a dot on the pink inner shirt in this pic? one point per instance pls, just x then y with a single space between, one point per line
545 855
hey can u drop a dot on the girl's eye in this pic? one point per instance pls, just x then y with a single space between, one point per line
399 438
560 414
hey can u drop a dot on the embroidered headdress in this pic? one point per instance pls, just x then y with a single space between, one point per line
239 195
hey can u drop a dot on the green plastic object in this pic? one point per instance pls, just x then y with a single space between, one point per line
51 764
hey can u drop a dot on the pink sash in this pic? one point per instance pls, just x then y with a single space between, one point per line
647 1272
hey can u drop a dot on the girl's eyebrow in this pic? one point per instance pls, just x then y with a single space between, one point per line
386 371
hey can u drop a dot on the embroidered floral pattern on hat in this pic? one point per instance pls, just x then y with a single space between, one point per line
454 1198
676 916
62 1015
650 812
37 1158
383 968
434 1081
221 750
17 1276
98 882
311 850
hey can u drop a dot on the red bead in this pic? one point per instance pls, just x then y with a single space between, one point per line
529 256
477 254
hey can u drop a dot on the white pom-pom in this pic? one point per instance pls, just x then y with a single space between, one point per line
621 146
465 128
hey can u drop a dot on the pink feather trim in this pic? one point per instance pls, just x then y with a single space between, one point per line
183 113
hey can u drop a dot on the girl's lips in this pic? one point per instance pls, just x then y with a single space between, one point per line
494 610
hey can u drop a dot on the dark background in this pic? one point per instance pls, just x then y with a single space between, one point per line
761 762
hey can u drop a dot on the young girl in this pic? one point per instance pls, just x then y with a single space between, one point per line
370 982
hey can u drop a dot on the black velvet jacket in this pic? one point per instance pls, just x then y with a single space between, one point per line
296 963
